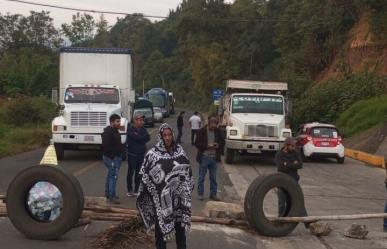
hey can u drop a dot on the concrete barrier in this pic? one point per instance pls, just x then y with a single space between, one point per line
376 161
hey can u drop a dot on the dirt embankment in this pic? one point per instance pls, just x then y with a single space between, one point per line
368 141
361 52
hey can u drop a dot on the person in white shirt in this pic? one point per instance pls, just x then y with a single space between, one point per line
195 123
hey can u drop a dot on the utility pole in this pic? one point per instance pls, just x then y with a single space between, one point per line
143 87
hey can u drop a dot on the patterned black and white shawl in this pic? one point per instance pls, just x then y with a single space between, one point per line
166 187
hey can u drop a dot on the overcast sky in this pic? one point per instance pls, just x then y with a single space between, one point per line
147 7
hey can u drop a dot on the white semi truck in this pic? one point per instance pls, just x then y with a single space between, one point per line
94 84
253 114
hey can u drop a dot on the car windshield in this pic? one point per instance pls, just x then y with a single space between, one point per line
324 132
145 112
91 95
157 100
257 104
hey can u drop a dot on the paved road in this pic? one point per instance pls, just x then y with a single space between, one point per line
329 189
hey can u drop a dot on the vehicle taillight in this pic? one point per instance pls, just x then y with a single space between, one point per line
55 128
306 140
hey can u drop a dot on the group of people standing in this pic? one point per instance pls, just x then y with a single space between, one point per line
161 178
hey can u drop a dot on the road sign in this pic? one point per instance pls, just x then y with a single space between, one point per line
217 94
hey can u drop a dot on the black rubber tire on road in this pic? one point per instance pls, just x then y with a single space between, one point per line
59 150
254 204
19 214
340 160
229 155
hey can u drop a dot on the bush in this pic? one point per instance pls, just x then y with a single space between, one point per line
326 101
23 111
363 115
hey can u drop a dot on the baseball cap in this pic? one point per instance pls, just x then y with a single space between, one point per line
290 141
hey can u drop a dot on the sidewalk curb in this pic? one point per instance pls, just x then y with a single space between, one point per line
375 161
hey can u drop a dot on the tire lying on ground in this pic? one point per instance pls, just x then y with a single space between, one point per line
255 196
19 212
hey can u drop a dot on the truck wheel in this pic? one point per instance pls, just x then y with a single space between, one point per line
59 150
229 155
340 160
255 196
20 214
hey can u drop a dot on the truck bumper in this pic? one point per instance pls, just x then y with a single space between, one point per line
254 145
89 139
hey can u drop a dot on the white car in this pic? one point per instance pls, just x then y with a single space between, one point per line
158 114
322 140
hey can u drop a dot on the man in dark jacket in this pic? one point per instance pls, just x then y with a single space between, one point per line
180 124
113 152
288 161
209 142
137 137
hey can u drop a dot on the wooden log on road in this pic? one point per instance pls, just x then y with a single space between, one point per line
109 209
328 217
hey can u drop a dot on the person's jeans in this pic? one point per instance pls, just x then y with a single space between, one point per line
179 233
385 219
113 166
211 165
193 135
134 166
179 134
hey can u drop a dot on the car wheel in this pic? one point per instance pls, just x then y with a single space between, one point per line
229 155
340 160
59 150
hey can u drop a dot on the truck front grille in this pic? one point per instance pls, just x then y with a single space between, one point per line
88 119
261 131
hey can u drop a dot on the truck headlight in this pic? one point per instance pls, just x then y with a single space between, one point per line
286 134
233 132
59 128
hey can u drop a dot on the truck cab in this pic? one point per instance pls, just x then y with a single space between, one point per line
94 84
254 117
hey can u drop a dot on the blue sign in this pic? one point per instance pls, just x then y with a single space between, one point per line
217 94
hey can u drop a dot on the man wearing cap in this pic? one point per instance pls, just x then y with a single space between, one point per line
137 137
288 161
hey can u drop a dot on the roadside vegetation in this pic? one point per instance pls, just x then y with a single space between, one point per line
363 115
196 48
24 124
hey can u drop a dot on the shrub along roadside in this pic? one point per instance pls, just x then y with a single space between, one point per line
363 115
25 124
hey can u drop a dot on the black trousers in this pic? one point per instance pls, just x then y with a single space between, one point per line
180 237
134 166
179 134
193 135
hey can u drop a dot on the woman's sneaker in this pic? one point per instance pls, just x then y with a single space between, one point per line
131 194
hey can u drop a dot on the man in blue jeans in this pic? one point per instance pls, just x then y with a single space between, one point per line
136 140
209 142
113 153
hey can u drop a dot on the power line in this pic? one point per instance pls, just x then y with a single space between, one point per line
83 10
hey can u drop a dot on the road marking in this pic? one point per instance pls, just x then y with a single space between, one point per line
87 168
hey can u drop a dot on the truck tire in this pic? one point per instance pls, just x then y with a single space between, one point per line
59 150
229 155
19 213
255 196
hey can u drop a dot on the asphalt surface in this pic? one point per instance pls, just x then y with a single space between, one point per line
329 189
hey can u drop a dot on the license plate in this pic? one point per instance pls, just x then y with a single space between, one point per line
324 143
89 139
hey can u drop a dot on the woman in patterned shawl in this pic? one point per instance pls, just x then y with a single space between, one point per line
166 186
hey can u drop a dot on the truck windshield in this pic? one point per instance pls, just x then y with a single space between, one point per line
157 100
257 104
91 95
